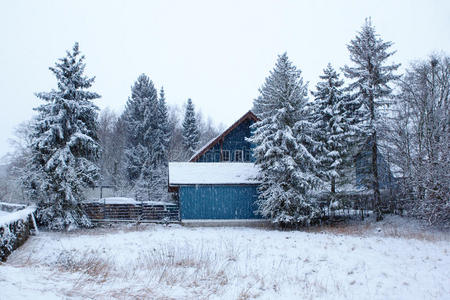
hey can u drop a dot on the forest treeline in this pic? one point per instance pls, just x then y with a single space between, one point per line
306 140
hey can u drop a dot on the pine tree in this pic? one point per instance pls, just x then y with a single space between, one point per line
64 146
283 139
161 151
163 122
190 129
148 138
371 76
139 106
331 126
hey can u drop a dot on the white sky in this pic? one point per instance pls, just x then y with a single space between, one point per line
215 52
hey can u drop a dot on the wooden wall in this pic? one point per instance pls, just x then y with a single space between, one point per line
218 202
235 140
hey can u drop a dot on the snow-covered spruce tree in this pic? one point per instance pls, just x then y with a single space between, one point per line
160 168
142 101
147 141
191 134
371 76
331 126
164 127
64 146
283 139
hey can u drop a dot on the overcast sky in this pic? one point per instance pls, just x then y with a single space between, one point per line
217 53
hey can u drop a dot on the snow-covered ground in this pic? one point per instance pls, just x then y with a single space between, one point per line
391 260
3 213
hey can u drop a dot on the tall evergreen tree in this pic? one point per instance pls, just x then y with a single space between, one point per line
142 102
191 134
283 139
64 146
148 138
331 126
160 162
371 76
163 122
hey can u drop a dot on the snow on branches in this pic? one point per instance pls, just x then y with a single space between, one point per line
191 133
284 146
64 146
147 141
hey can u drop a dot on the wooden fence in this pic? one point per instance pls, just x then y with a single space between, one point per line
139 212
358 204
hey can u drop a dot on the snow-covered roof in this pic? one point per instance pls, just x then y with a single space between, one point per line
181 173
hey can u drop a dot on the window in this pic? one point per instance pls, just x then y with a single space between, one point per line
247 155
225 155
238 155
216 156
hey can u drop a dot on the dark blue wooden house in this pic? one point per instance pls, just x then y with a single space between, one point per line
218 182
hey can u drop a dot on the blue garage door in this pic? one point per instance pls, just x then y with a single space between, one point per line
218 202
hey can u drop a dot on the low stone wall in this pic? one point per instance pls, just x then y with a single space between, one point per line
99 212
15 228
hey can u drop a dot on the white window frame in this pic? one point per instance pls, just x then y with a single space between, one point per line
223 155
242 155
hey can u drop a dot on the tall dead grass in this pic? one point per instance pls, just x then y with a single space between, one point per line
200 269
383 230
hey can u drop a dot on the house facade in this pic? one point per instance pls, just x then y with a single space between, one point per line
219 181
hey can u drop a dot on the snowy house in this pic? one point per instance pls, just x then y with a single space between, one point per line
219 181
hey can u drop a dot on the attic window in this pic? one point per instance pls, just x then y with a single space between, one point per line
225 155
238 155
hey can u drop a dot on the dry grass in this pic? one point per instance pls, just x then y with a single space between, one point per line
397 232
196 268
87 263
105 228
383 229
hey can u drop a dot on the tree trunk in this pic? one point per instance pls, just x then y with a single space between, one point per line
376 184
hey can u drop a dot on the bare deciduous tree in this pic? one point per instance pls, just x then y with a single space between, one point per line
420 139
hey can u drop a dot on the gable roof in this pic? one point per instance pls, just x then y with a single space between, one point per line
248 116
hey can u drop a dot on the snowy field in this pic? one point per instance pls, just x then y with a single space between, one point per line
3 213
392 260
